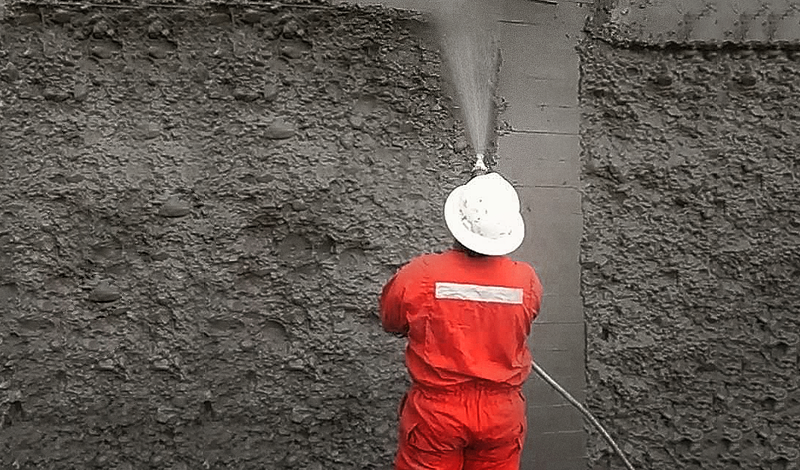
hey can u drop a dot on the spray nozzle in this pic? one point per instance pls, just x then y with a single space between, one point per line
480 166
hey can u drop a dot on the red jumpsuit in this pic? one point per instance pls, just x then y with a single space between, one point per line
467 319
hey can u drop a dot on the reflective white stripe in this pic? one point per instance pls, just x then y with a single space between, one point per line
503 295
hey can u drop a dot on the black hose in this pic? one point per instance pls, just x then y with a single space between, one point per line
584 411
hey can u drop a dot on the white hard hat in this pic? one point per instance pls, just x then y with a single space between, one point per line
483 215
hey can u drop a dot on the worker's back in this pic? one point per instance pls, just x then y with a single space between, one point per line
467 317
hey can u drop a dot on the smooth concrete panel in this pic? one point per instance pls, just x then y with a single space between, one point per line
549 202
560 463
564 363
574 384
539 79
528 12
533 117
559 273
538 43
548 413
553 227
556 67
560 308
541 50
546 205
557 448
553 83
539 159
562 18
554 418
557 270
558 336
540 393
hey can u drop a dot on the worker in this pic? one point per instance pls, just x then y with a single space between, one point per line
467 314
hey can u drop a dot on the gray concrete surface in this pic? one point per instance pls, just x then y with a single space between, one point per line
704 21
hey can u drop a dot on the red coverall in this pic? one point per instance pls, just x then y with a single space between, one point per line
467 319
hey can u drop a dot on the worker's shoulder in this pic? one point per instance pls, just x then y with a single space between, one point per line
521 267
425 263
426 260
416 263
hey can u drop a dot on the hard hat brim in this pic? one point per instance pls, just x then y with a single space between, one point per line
476 242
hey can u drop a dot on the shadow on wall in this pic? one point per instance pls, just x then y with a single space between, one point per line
199 208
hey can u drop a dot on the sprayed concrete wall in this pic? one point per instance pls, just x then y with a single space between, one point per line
691 254
199 208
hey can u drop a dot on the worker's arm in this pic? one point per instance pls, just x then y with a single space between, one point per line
536 296
393 315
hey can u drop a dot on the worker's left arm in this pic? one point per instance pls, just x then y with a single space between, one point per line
393 315
536 296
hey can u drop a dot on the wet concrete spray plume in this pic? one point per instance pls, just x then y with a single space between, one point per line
471 59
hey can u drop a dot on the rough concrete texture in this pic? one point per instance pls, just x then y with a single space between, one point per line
691 255
199 208
658 22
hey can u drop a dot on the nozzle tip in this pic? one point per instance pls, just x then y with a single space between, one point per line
480 165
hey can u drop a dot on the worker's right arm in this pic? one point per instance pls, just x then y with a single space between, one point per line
393 315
